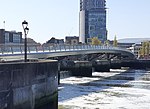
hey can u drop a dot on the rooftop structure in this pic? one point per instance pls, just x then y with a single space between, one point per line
72 40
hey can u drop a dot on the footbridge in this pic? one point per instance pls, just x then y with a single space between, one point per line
74 58
16 52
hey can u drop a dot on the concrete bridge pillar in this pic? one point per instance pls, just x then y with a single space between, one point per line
127 63
115 64
101 66
82 68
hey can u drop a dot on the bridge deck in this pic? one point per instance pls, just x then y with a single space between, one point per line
17 51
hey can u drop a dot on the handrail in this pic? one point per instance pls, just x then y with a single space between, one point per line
13 49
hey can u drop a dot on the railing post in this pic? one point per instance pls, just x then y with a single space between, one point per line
36 49
12 50
20 50
60 47
1 49
65 47
49 48
28 49
43 48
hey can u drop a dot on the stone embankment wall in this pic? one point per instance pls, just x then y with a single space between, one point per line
28 85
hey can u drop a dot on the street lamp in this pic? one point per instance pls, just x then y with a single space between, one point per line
26 30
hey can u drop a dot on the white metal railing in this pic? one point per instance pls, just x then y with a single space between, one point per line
19 48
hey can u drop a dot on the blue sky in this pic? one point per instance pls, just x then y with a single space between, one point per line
60 18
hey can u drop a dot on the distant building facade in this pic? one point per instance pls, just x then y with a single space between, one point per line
72 40
92 20
7 37
125 45
55 41
135 48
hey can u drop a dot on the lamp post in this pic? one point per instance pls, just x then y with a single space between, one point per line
26 30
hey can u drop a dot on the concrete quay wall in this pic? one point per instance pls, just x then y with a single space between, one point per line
28 85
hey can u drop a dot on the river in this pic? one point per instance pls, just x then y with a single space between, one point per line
117 89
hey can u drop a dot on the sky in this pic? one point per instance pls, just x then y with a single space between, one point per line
60 18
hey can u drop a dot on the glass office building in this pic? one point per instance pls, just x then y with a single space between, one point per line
92 20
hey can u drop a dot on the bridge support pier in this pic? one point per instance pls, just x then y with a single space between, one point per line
101 66
82 68
115 64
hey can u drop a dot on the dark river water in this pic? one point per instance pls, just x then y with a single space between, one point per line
117 89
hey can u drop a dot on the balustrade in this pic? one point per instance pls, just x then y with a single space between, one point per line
19 48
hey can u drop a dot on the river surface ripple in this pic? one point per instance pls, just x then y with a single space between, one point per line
117 89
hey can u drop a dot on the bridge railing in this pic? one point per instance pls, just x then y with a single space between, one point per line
19 48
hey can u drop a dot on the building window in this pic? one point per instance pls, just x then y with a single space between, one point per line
92 28
89 40
16 38
6 37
